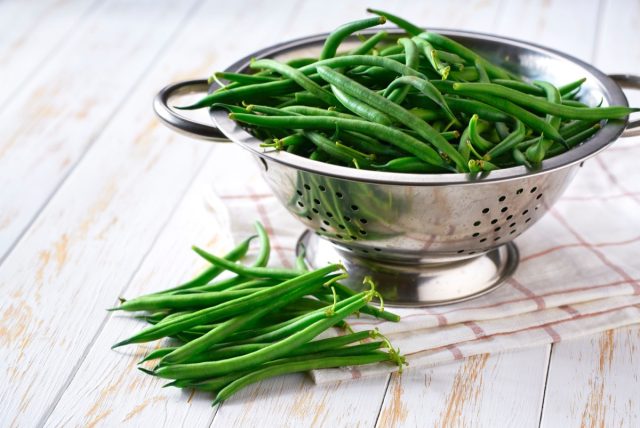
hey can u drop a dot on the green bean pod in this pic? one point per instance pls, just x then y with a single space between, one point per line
334 39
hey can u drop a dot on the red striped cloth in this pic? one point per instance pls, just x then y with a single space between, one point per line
579 270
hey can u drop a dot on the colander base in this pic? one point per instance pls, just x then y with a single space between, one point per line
417 285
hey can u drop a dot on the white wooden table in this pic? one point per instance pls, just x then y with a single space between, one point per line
96 197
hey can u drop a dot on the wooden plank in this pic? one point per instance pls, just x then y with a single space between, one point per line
564 25
595 381
106 388
516 395
485 390
90 239
32 33
56 115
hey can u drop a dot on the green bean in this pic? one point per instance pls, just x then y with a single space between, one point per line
402 23
301 62
479 165
542 106
508 143
315 111
572 128
467 74
226 309
537 151
528 88
284 86
223 330
452 46
244 78
220 382
332 345
156 353
337 151
521 159
255 272
464 144
368 309
484 111
516 111
391 135
180 301
361 109
391 50
451 58
297 76
412 60
298 366
369 44
431 54
576 139
427 88
275 350
476 139
338 35
395 111
210 273
288 141
251 108
308 99
368 144
573 103
232 283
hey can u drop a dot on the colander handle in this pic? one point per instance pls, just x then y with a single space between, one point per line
172 119
628 81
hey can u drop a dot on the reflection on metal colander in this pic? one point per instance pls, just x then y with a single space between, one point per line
409 235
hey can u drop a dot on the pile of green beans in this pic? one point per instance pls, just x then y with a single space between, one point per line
418 103
257 323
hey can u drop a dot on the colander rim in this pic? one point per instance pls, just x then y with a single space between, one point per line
599 141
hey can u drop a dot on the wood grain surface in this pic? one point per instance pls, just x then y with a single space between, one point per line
98 200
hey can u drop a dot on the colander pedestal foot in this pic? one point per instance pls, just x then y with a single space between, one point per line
405 284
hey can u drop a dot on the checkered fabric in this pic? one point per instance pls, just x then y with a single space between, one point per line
579 270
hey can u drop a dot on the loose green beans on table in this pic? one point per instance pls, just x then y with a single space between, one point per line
257 323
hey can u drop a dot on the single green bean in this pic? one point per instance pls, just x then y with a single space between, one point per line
298 366
181 301
540 105
426 88
476 139
369 44
452 46
431 54
361 109
412 60
506 145
528 118
334 39
410 28
297 76
244 78
538 151
255 272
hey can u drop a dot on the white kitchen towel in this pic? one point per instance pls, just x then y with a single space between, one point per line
579 269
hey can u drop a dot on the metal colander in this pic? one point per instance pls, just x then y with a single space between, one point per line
424 238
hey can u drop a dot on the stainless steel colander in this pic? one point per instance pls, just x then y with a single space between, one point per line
425 239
